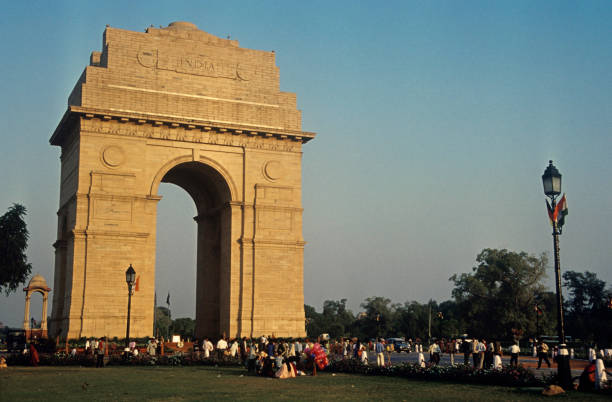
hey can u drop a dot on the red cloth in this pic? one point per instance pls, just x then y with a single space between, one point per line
34 359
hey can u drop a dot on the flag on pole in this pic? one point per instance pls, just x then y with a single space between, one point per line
550 212
137 284
168 299
561 211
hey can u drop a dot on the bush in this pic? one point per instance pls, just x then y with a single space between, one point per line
63 359
508 376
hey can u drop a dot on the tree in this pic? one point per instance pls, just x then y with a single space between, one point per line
412 320
314 324
587 313
337 318
185 327
163 322
14 266
499 295
378 319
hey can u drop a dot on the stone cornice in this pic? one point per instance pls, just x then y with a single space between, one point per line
74 112
247 241
80 234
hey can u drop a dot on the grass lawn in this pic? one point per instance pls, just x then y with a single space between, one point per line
209 383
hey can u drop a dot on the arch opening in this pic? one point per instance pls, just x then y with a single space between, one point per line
211 195
36 309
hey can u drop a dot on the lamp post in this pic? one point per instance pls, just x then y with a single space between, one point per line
130 278
537 312
429 326
551 179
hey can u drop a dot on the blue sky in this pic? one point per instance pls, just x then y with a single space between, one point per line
435 121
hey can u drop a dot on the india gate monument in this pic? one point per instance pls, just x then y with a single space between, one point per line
179 105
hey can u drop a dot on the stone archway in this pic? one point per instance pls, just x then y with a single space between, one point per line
212 197
179 105
36 285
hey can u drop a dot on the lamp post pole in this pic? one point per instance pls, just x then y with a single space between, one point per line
429 326
537 311
130 275
560 324
127 330
551 180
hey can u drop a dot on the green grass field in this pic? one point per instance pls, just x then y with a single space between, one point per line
209 383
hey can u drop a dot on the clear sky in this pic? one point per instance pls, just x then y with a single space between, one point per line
435 122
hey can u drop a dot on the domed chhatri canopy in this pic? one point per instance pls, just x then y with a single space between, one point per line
37 283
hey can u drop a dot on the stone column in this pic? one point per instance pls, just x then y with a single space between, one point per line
43 322
26 314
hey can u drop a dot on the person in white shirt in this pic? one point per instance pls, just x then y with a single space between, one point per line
482 348
221 347
601 378
364 354
514 352
421 360
208 348
234 348
434 353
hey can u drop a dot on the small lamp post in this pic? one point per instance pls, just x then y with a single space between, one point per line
130 278
551 179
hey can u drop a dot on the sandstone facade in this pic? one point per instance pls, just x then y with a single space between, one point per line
179 105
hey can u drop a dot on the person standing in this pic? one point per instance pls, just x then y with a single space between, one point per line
34 359
514 352
380 353
298 348
208 348
221 348
489 354
234 348
100 353
364 354
435 352
543 354
466 348
497 355
451 349
151 347
244 348
482 348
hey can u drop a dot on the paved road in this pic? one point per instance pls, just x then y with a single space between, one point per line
530 362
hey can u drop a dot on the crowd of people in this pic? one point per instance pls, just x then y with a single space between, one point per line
287 357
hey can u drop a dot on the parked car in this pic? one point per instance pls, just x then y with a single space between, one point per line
399 345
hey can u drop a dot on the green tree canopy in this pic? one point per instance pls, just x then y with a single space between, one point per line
163 322
587 314
14 266
499 295
379 317
185 327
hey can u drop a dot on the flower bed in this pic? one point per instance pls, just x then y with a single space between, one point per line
508 376
63 359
